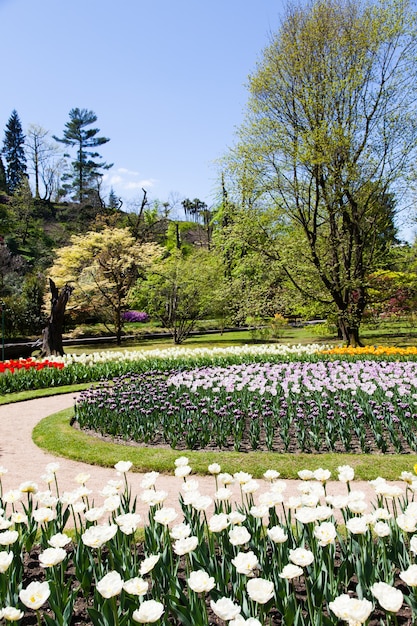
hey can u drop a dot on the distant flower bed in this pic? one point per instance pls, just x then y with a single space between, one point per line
15 365
361 406
175 354
84 368
248 553
135 316
377 351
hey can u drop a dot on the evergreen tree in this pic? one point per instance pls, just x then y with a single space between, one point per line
114 202
84 179
13 150
3 179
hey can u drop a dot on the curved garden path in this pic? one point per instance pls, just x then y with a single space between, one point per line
25 461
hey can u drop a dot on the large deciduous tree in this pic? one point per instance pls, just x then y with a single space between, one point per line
45 162
103 267
14 152
329 137
84 179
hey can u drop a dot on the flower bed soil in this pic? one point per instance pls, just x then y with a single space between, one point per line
81 617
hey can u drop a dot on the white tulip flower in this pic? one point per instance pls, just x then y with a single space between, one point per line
306 474
291 571
185 546
182 470
260 590
165 515
153 497
5 523
11 614
149 612
225 479
409 576
346 473
218 522
325 533
149 563
381 529
59 540
95 513
223 494
200 582
277 534
35 595
8 537
181 461
97 536
180 531
235 517
351 610
110 585
44 514
389 598
239 535
123 466
52 556
225 608
271 475
128 522
149 480
6 559
301 557
357 525
136 586
246 563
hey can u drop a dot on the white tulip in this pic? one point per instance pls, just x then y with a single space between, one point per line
260 590
149 612
35 595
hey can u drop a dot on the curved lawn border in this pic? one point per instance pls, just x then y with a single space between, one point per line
55 435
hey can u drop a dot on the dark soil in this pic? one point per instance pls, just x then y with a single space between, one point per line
278 446
81 616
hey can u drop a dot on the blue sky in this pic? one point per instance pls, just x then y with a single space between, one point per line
166 79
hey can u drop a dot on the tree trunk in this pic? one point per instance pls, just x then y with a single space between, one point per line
349 332
119 328
52 333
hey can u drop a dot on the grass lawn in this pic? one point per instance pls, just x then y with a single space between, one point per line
55 435
396 333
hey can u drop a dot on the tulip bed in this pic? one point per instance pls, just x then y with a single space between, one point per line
248 554
15 365
339 406
71 369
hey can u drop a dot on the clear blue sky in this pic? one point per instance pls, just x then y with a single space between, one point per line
166 79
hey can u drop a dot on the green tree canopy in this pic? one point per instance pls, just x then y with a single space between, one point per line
103 267
178 290
329 137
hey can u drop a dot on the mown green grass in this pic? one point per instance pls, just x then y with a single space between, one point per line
55 435
394 333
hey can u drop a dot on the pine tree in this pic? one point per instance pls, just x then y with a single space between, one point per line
3 180
84 179
114 202
13 150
